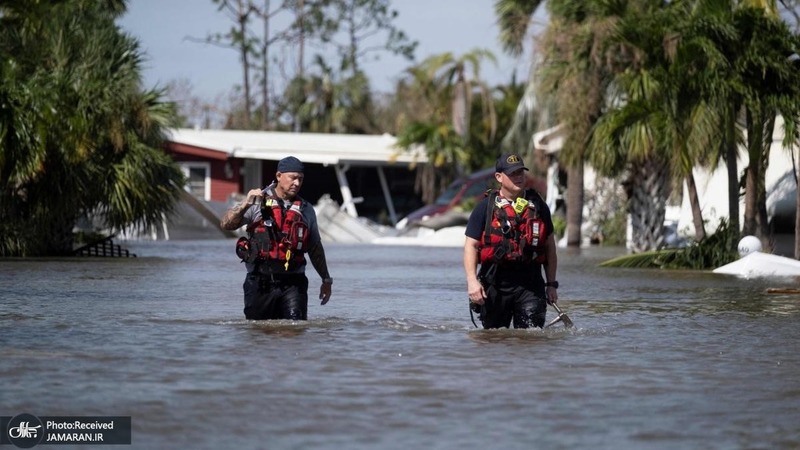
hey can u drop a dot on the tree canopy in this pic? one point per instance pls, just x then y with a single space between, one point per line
79 137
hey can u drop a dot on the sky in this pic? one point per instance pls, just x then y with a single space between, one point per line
163 26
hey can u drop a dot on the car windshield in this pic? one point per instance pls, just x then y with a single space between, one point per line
448 194
478 188
473 189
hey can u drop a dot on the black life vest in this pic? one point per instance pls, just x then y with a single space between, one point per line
279 239
514 231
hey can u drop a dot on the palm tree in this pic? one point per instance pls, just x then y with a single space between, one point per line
722 74
750 82
322 103
445 88
661 101
701 62
727 91
755 83
79 137
514 18
770 86
313 101
628 140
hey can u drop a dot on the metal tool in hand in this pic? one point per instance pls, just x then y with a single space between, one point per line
562 317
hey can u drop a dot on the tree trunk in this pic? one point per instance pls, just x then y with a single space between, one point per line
797 211
265 70
301 41
649 194
574 204
243 53
750 199
759 140
301 49
764 229
697 213
751 179
732 164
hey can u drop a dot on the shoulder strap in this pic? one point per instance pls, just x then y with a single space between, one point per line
266 209
492 197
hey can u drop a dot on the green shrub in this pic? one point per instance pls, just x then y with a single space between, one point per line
614 228
559 225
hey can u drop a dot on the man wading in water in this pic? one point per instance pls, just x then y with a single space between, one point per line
510 233
281 229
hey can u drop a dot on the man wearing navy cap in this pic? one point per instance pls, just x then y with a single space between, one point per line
510 234
281 229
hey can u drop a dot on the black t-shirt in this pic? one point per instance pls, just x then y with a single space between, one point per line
477 219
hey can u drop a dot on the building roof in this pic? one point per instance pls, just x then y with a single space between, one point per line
550 140
352 149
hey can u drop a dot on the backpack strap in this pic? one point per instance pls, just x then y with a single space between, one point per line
492 195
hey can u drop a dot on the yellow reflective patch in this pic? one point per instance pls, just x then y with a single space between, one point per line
520 204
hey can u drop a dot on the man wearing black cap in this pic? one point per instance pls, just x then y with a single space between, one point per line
510 234
281 229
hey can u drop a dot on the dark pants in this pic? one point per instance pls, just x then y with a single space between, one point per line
278 297
515 296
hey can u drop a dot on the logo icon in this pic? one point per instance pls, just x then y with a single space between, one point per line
512 159
25 430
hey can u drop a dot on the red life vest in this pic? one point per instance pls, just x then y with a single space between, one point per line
279 238
514 231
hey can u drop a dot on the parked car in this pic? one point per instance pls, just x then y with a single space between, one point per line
472 187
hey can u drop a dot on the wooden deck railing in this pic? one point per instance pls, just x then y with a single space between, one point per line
104 247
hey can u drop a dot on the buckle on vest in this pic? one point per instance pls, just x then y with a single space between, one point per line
500 252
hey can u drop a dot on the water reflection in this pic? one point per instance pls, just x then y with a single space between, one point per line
528 336
283 328
657 359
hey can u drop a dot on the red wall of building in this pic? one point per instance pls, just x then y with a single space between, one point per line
224 181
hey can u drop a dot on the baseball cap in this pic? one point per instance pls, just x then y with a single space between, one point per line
290 164
508 163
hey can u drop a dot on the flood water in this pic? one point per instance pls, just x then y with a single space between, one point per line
659 360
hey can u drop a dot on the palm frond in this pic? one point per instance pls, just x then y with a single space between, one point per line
644 260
